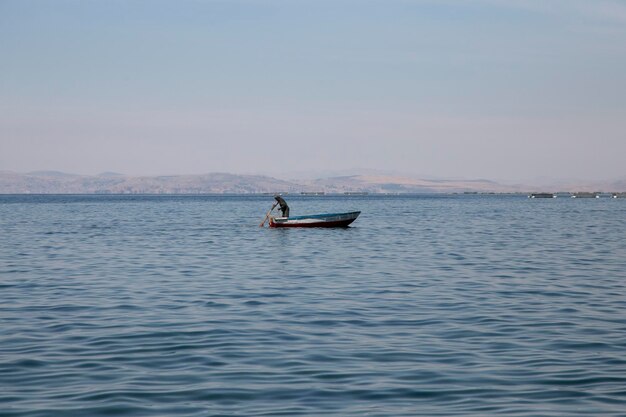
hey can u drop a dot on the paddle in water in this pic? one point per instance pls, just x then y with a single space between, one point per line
267 215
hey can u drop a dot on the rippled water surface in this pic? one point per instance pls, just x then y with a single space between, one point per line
428 305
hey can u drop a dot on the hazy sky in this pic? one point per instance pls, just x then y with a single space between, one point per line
505 90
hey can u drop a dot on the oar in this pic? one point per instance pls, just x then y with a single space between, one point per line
267 215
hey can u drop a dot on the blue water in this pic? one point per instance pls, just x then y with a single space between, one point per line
427 306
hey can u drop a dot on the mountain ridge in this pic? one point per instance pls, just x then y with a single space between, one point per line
56 182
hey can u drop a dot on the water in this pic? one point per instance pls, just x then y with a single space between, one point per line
427 306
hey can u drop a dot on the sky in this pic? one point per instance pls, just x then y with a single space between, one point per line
506 90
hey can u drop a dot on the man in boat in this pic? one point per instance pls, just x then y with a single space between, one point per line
283 205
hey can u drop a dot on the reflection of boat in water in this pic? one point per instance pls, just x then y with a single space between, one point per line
316 220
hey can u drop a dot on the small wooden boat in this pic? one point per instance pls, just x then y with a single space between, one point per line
316 220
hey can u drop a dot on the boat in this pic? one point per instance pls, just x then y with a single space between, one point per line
585 195
542 195
316 220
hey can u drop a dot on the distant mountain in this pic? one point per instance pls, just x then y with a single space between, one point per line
403 184
316 174
55 174
110 174
618 185
54 182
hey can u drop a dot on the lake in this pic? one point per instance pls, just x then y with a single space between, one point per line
429 305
